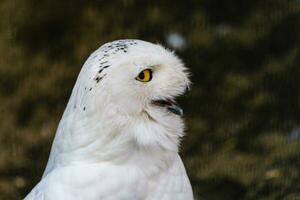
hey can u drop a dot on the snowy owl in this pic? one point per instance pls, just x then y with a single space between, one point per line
119 135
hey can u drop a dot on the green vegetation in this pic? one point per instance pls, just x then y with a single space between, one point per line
243 112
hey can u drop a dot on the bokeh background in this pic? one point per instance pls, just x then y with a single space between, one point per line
242 114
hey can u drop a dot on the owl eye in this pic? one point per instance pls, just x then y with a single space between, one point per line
145 75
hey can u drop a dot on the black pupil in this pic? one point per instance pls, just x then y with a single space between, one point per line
142 75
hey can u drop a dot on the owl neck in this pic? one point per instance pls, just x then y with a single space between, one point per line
114 139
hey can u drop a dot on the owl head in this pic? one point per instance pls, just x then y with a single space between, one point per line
126 93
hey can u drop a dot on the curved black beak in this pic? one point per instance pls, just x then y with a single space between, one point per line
171 105
176 109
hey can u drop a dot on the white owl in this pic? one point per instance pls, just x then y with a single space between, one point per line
119 135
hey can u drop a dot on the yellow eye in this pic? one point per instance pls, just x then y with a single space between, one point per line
145 76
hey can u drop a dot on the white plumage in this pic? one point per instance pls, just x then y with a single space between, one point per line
119 135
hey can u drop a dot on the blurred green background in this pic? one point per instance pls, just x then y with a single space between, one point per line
242 114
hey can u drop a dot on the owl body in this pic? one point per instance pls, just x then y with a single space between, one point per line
119 135
110 181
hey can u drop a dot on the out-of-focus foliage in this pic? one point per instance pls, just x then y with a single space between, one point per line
242 113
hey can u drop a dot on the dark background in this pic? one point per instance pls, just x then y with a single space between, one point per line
242 114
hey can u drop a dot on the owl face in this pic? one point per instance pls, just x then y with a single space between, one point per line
145 80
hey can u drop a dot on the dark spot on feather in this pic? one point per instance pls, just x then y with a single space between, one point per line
98 79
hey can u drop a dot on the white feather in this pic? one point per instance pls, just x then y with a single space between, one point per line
112 142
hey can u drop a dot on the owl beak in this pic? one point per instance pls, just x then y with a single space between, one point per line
176 109
171 106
